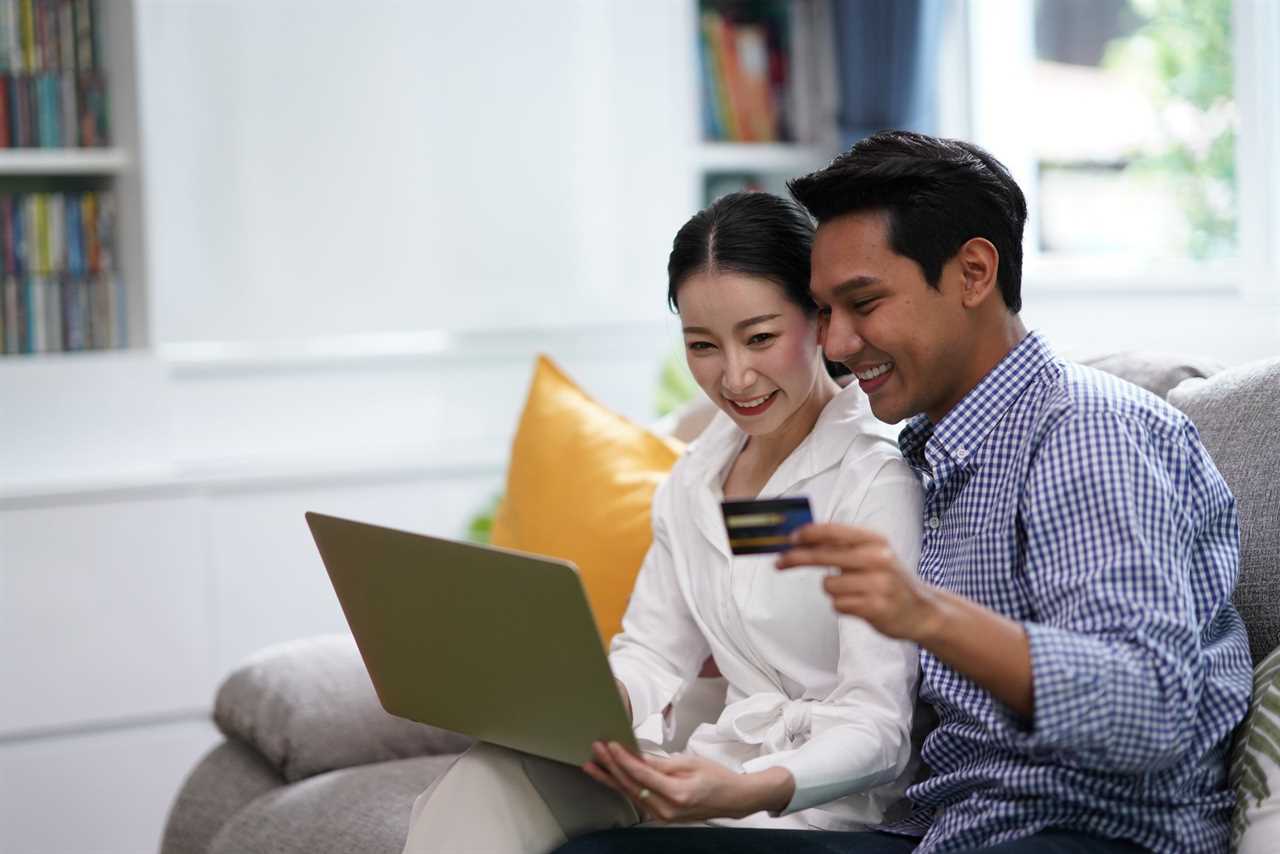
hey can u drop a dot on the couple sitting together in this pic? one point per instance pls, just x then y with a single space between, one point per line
1045 560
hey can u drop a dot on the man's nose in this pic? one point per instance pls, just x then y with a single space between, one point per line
841 341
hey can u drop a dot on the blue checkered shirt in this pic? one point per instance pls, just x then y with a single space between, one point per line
1089 511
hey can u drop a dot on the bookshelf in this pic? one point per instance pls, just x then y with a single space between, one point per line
767 93
71 250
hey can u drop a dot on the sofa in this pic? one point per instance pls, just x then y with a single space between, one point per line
311 763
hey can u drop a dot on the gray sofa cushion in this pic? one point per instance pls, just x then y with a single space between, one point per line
1156 372
229 777
308 707
362 810
1238 415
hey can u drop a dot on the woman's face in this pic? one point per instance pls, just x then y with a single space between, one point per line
754 352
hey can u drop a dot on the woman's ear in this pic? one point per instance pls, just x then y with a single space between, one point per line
979 265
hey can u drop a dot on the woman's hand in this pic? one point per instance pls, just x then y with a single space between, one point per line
688 788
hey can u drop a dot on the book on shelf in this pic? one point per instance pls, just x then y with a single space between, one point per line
768 71
60 290
52 86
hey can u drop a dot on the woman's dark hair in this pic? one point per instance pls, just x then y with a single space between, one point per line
936 193
755 234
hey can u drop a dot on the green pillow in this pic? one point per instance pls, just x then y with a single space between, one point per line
1255 765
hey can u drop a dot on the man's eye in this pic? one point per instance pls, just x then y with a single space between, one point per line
824 311
760 338
863 306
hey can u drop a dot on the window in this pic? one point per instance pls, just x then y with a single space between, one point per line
1121 119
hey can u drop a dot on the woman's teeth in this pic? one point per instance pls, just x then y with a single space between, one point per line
872 373
748 404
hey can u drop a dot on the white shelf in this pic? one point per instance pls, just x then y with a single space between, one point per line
761 157
63 161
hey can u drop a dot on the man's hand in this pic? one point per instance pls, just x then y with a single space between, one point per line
973 640
872 583
688 788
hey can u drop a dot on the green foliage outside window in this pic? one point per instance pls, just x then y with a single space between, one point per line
1182 53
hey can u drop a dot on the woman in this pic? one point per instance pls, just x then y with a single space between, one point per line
815 729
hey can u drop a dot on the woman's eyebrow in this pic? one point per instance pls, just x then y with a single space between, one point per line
740 325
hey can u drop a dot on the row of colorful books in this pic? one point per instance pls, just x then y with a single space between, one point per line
768 70
53 110
50 35
49 314
52 87
57 233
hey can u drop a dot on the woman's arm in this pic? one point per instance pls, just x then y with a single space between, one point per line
660 646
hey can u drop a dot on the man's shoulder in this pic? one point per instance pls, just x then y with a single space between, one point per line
1076 398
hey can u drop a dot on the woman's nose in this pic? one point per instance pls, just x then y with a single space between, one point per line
739 375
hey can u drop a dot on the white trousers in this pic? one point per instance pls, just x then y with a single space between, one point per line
499 801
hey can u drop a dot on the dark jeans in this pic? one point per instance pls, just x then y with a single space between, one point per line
706 840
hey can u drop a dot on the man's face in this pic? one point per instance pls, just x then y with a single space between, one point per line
903 340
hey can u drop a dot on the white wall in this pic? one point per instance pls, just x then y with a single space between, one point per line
316 167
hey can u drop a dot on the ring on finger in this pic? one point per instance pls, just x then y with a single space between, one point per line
644 794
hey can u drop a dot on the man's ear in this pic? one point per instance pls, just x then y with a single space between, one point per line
979 262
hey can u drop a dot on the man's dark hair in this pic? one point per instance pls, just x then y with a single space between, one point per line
755 234
936 194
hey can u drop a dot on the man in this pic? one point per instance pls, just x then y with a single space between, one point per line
1072 604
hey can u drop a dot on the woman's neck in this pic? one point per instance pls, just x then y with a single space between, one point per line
761 456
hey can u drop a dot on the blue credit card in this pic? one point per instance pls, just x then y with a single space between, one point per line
764 525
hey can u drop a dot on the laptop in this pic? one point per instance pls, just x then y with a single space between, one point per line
489 642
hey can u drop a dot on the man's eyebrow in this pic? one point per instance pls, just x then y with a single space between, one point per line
845 288
741 324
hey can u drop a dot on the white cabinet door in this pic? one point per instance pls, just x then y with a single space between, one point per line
270 584
106 793
103 613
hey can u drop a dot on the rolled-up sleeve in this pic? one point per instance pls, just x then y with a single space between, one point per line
1116 658
660 646
861 732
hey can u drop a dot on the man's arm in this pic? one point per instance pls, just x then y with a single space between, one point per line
975 641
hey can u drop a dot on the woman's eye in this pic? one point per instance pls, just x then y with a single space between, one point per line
760 338
700 346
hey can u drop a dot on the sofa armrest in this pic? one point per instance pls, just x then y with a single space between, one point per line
308 707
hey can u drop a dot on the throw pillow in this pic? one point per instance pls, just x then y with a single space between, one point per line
1255 766
579 487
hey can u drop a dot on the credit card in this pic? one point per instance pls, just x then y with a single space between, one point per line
765 525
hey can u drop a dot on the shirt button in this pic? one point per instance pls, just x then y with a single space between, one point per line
961 453
935 523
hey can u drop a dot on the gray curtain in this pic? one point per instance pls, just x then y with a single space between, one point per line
888 60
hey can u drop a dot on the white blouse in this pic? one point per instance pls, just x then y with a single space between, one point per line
821 694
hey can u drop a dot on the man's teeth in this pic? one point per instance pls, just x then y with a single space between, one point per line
749 404
873 372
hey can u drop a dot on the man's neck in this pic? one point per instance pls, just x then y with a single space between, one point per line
993 347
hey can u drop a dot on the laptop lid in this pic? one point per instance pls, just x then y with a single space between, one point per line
492 643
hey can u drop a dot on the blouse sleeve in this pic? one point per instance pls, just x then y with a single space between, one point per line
660 646
860 734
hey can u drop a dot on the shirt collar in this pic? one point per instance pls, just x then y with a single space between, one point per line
963 430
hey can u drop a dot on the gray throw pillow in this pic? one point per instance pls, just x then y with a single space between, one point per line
1156 372
1237 413
308 707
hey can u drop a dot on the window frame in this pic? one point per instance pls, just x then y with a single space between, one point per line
999 43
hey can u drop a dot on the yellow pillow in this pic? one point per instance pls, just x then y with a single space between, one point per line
579 487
